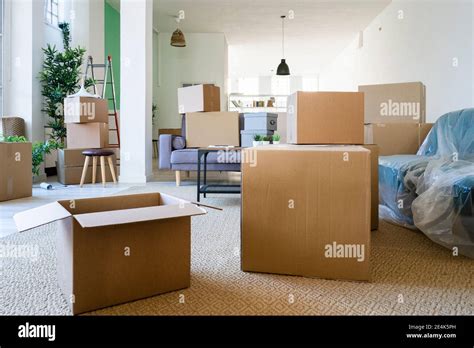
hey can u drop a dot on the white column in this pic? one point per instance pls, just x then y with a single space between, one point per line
136 29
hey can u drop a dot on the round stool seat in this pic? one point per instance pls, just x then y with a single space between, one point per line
97 152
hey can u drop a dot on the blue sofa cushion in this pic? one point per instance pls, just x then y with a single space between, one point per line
179 143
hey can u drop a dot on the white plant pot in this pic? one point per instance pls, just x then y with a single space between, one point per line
255 143
265 143
276 142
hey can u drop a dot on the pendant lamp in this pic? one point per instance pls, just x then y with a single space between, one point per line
283 69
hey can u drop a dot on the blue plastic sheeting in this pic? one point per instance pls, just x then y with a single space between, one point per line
452 135
398 176
444 208
433 190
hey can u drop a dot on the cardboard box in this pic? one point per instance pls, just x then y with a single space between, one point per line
85 110
117 249
16 179
212 128
199 98
301 205
87 135
395 103
325 118
374 184
397 138
71 162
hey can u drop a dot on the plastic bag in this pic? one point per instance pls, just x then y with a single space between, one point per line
443 210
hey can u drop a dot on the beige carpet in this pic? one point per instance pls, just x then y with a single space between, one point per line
411 275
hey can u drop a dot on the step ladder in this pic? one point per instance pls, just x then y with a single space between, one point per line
108 80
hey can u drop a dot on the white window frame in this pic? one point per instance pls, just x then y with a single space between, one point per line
53 12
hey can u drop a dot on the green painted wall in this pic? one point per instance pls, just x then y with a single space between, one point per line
112 46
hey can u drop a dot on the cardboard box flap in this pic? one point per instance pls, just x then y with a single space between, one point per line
32 218
126 216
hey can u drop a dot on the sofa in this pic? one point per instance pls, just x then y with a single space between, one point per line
433 191
174 155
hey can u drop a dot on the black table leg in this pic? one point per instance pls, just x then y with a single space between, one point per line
205 170
199 178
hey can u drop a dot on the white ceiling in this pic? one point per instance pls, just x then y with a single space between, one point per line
319 31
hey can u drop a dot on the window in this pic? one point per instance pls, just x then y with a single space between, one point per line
280 85
54 12
248 85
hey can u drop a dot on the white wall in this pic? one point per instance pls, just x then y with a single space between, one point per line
87 27
417 41
203 60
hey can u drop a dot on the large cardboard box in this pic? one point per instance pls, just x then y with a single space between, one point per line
306 211
325 118
199 98
395 103
85 110
16 179
212 128
87 135
397 138
70 164
374 186
117 249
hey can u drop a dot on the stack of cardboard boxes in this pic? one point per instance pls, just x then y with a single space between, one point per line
205 124
395 116
306 207
86 120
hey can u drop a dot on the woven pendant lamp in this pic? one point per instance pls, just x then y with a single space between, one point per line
177 38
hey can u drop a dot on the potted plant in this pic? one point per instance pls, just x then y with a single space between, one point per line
257 140
60 77
276 139
266 140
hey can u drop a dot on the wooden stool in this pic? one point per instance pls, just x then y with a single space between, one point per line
101 153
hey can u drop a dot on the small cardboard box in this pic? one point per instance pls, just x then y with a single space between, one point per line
199 98
16 179
118 249
306 211
325 118
85 110
374 190
70 164
395 103
212 128
87 135
397 138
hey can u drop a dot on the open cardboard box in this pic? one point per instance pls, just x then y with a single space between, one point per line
117 249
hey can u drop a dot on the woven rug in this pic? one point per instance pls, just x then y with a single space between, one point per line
411 275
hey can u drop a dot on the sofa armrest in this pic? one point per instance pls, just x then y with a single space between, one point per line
165 149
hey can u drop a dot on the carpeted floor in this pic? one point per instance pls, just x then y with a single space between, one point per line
411 275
